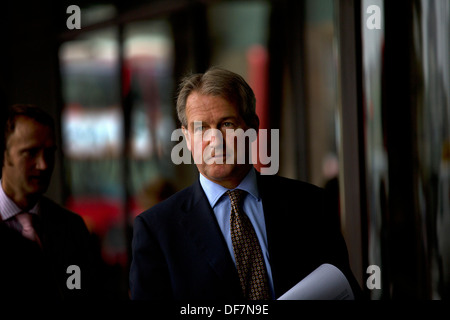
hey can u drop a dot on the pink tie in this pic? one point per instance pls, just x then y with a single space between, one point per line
25 219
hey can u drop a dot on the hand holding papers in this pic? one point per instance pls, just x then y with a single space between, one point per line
325 283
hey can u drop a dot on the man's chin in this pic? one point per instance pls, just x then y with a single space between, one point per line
218 171
221 172
38 187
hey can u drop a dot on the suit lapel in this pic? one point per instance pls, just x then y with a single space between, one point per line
284 227
269 206
201 225
273 215
54 230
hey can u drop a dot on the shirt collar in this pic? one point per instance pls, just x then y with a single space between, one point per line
215 191
8 208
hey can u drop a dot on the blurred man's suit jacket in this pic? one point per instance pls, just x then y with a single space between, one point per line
29 272
179 251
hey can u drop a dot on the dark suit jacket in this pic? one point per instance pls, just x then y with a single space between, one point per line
29 272
178 251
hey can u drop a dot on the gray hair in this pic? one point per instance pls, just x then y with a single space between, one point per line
223 83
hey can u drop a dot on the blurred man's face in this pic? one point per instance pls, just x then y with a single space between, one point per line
28 160
211 151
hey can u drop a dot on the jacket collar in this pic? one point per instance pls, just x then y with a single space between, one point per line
199 222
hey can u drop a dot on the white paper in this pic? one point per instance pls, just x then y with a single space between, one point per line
325 283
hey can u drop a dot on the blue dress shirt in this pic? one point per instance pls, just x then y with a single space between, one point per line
252 206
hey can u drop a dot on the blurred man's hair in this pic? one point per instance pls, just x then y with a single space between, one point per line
9 121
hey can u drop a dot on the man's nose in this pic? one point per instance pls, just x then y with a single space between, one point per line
43 161
215 137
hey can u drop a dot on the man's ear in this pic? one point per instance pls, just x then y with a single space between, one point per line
187 136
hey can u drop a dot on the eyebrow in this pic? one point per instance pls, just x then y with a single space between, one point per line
223 119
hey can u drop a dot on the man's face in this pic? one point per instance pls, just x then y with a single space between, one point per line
218 163
29 159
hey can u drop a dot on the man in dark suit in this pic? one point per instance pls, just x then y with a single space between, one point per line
39 240
185 247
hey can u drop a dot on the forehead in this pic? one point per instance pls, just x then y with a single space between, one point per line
200 107
28 131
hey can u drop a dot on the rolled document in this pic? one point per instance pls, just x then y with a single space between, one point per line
325 283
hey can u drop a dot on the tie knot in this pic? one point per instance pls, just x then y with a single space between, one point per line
26 220
235 196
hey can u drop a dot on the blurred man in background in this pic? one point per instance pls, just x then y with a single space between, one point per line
45 250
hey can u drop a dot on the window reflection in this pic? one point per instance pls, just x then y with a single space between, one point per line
430 136
321 94
375 149
92 133
116 128
432 25
235 28
149 91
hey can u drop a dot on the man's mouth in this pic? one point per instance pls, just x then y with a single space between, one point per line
223 155
39 178
217 157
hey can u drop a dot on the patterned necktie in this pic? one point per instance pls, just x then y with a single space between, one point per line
247 252
26 220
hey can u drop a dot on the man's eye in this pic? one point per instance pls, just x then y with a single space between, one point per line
228 124
199 129
30 153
